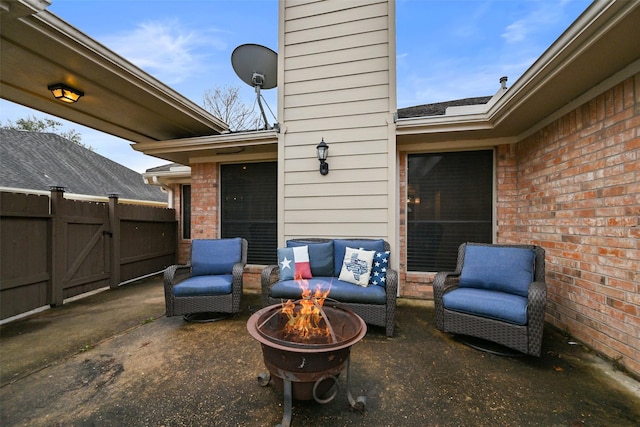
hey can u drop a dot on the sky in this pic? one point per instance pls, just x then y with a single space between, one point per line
446 49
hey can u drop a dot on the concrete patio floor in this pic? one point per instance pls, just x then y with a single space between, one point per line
114 359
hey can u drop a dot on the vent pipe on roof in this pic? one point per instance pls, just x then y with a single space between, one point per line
503 82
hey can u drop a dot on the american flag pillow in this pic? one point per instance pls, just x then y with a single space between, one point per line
379 268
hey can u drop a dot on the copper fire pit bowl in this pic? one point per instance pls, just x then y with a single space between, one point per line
307 370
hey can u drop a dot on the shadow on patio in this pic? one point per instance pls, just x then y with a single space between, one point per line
113 359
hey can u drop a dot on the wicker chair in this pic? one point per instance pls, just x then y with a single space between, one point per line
525 335
214 279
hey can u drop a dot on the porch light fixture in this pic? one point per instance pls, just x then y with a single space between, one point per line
65 93
323 151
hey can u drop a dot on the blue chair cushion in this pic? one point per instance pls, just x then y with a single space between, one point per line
204 285
340 246
498 268
341 291
320 256
491 304
215 256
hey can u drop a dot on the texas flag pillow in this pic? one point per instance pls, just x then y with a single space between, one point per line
294 263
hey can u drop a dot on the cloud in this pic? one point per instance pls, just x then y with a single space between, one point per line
542 16
516 32
166 49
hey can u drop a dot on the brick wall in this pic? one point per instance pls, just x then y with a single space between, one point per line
577 194
204 201
204 211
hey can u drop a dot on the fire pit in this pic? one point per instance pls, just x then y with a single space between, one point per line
305 346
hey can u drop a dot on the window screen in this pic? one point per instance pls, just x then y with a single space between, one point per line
249 208
449 203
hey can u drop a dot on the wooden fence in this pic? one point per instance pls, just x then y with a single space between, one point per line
52 248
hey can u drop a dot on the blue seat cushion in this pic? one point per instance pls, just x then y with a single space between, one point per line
320 256
215 256
341 291
498 269
204 285
492 304
341 245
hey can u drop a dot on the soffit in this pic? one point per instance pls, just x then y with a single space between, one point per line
600 43
238 146
38 49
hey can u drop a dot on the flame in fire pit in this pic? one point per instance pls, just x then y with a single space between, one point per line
307 321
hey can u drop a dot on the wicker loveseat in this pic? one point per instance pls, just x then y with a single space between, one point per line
375 303
497 293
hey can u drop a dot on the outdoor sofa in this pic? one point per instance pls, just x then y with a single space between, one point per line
373 298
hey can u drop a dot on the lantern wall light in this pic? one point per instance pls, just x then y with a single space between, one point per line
65 93
323 152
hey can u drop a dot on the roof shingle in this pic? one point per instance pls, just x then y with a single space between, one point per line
36 161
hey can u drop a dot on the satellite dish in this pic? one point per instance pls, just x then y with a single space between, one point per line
257 66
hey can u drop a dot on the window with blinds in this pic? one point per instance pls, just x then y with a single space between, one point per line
248 202
186 211
449 202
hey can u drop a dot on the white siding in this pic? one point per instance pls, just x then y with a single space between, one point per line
336 78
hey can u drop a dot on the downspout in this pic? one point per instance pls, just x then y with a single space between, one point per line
169 190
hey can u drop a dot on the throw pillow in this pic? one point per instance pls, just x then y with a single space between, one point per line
356 267
379 268
340 245
320 256
294 263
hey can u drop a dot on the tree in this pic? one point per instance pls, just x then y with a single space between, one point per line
34 124
224 103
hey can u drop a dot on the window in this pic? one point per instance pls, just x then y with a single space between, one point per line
248 201
449 202
186 211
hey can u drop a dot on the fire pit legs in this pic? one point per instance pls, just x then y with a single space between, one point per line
357 404
288 397
360 402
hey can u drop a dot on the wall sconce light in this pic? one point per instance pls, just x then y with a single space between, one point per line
323 151
65 93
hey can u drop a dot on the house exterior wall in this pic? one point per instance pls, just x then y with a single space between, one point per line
336 82
578 196
204 201
573 187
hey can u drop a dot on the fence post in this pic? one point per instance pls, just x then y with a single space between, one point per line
114 225
55 295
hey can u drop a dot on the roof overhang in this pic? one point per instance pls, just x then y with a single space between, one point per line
38 49
237 146
598 50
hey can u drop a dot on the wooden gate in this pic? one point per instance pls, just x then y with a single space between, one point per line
81 256
52 248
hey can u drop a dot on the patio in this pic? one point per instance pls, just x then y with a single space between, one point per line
112 358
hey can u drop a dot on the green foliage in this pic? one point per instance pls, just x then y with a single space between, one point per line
45 125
